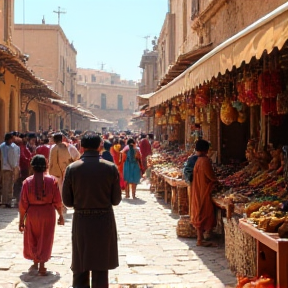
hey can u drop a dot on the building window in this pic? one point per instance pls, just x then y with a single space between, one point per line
93 78
195 9
120 102
184 9
103 101
131 105
6 20
79 98
80 77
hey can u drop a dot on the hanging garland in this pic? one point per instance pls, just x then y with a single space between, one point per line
228 114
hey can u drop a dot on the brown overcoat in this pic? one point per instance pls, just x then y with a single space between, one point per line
91 186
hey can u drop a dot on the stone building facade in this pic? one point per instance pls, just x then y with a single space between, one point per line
107 95
149 72
52 57
193 25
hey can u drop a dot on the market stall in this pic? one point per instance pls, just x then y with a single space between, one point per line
251 105
166 178
243 112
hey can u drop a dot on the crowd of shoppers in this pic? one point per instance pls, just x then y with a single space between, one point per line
44 172
86 172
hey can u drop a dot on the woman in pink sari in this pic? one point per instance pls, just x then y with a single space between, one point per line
40 197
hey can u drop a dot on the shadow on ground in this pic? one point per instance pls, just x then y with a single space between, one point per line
7 215
33 280
136 201
213 257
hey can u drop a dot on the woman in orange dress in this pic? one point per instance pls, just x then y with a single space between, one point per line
119 162
40 197
201 207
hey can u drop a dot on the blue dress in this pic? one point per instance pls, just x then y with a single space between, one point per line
131 170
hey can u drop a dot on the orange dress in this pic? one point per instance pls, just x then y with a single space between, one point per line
119 162
201 206
40 218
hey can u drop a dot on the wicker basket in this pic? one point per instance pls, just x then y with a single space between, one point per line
183 202
240 249
184 229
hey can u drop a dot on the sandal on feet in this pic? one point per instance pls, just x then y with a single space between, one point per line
42 272
33 268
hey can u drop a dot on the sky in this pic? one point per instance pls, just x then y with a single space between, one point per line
108 34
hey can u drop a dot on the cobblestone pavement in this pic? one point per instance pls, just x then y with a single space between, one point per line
150 253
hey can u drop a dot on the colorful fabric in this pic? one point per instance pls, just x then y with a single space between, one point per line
132 172
40 217
119 162
43 150
145 149
25 159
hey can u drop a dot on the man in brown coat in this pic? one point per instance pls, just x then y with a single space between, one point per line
91 186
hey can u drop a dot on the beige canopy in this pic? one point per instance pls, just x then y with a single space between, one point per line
268 32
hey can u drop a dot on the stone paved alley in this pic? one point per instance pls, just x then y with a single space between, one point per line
150 253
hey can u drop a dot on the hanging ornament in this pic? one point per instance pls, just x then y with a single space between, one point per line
197 115
201 115
242 114
270 83
282 103
269 106
208 114
202 96
228 114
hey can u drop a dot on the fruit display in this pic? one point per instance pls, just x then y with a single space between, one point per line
168 162
261 282
247 187
268 217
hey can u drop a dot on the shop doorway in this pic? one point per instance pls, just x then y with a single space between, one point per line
32 121
12 110
234 142
278 131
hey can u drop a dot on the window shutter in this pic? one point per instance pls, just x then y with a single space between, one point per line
195 9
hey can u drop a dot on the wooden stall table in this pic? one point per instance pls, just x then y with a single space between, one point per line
178 186
227 206
271 250
157 182
230 207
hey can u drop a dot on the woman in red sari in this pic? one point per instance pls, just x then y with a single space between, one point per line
40 197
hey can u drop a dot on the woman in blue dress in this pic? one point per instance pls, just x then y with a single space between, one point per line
132 167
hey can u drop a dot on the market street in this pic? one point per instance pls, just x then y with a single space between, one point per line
150 253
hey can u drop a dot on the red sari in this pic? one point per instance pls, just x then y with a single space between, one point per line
40 217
